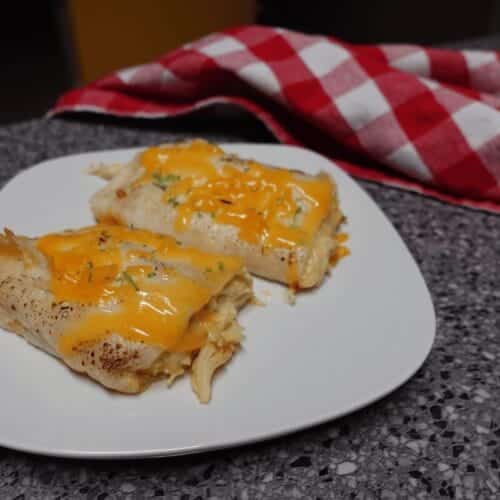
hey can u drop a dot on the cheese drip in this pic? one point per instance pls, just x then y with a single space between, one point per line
142 286
275 208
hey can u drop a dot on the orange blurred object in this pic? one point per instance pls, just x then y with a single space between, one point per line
114 34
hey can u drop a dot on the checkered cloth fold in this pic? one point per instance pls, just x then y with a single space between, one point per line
415 117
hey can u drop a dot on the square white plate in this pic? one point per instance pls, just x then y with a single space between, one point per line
363 333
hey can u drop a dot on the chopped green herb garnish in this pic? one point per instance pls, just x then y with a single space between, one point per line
90 265
220 265
298 210
208 269
179 243
212 214
173 202
152 274
130 280
162 181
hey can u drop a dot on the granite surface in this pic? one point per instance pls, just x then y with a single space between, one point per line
436 437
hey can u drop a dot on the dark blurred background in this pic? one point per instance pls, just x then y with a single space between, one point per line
49 46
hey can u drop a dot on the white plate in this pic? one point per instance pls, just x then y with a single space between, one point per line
362 334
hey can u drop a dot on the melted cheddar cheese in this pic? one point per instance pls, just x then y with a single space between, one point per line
270 207
140 285
341 251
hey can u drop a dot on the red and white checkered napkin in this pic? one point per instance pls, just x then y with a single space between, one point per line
420 118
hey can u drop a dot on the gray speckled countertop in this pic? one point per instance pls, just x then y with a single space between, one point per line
436 437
